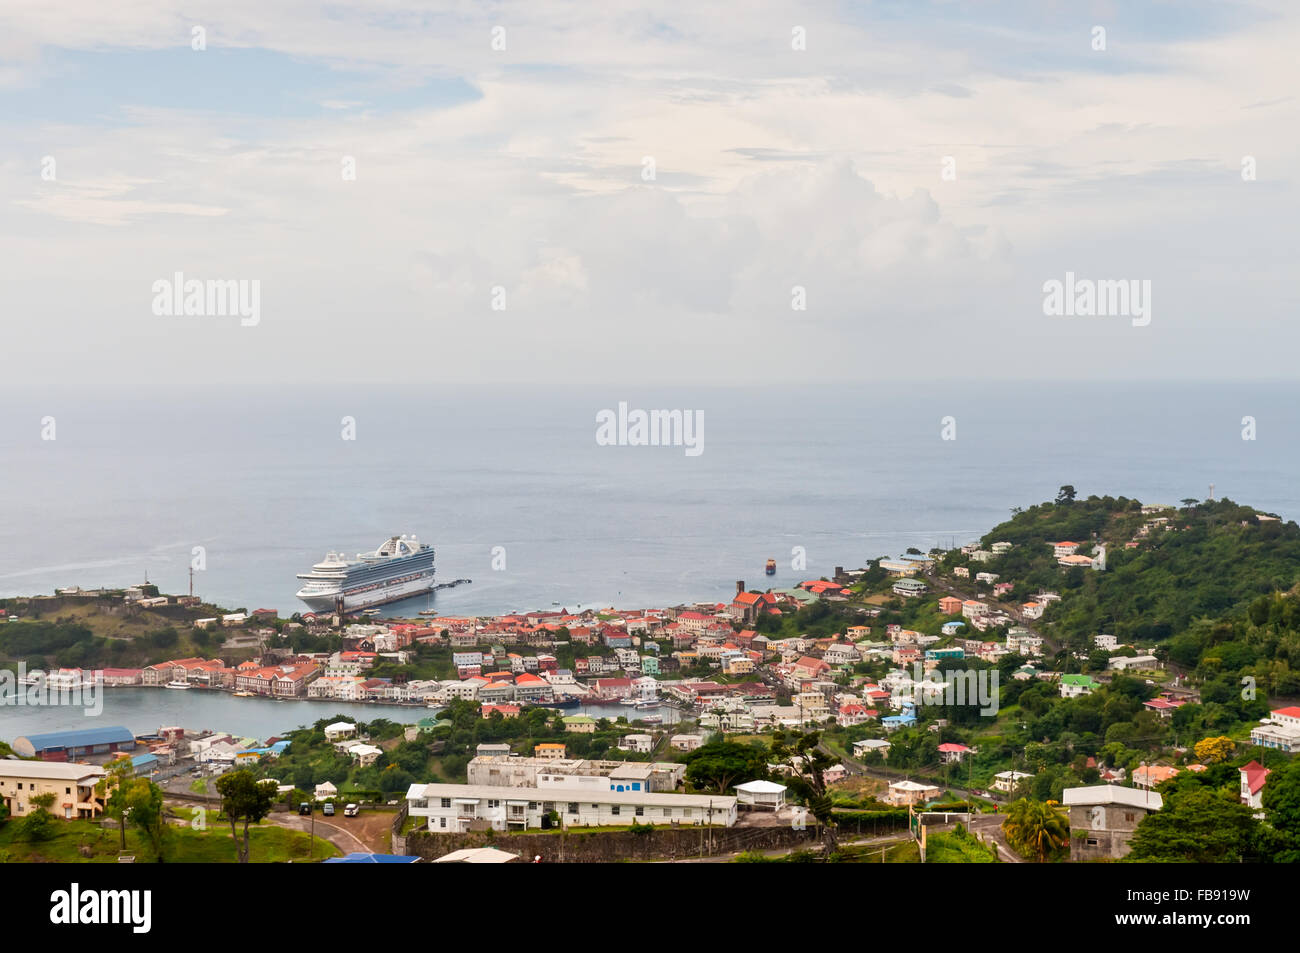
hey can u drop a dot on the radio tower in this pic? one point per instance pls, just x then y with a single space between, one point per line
1211 492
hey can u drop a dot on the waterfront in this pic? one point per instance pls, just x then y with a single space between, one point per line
812 478
145 710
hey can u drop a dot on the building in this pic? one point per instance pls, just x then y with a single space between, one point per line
910 588
580 724
1253 776
868 745
760 796
1153 775
72 745
686 742
73 787
641 744
550 751
1072 686
1124 662
1106 815
903 793
477 855
1008 781
951 752
950 605
1280 730
339 730
457 808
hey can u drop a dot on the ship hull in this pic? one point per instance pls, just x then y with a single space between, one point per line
374 595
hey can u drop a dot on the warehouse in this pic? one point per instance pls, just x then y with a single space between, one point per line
72 745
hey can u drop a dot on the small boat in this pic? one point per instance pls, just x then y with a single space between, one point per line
178 684
771 567
244 695
651 720
648 705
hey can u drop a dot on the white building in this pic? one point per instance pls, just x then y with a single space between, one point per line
1008 780
761 795
339 730
457 808
867 745
1124 662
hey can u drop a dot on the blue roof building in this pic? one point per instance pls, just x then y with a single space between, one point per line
71 745
359 858
145 764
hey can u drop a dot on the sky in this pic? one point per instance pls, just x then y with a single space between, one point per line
547 193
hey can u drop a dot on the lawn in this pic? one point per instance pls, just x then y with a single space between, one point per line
88 842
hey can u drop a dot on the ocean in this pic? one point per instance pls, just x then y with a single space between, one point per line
814 477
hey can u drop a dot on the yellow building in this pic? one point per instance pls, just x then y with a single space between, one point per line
550 750
73 787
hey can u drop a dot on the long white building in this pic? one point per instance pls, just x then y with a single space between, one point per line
457 808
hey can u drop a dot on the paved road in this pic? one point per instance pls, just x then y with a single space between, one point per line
990 825
340 837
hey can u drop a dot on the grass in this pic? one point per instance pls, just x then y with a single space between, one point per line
89 842
956 847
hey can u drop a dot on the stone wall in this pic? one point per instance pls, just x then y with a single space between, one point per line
594 847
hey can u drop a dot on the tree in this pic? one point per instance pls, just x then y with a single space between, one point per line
1036 829
719 765
1197 825
144 809
244 798
1213 750
1281 802
1065 495
39 824
807 762
113 784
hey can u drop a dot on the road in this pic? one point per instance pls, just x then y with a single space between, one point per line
990 825
340 837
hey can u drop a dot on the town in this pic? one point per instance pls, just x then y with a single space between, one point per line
954 705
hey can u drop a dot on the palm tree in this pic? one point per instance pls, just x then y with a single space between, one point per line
1033 827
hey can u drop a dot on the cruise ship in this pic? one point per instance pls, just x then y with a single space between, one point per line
402 567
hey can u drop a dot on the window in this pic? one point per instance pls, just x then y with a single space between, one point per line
640 811
1129 816
446 802
614 809
686 812
442 822
67 790
573 807
668 812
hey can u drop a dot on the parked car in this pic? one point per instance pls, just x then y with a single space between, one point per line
304 807
350 811
328 809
